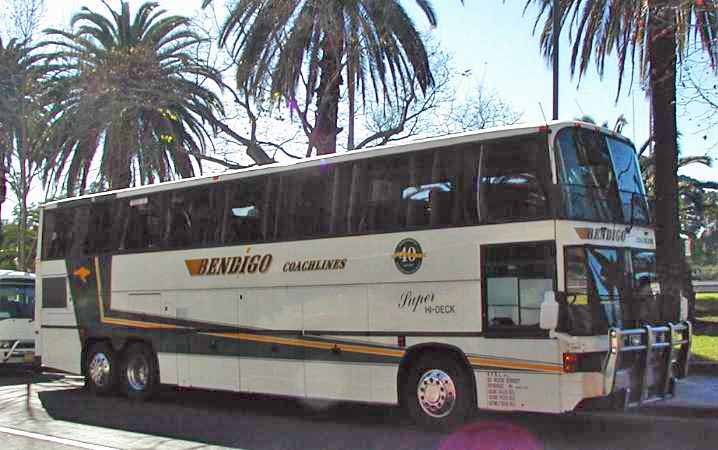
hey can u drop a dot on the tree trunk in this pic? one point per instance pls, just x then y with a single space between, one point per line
324 135
3 192
662 57
352 110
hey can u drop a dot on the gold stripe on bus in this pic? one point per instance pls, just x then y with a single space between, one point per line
507 364
132 323
311 344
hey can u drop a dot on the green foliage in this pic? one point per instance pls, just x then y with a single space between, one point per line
280 46
12 234
131 88
600 28
705 272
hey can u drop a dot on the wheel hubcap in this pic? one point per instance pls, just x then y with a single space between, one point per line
436 393
100 369
138 371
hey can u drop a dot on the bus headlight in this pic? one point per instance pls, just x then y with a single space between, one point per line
635 340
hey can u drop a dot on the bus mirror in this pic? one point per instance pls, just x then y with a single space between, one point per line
548 316
684 308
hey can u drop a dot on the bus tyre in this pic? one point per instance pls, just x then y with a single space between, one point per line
140 374
102 369
438 392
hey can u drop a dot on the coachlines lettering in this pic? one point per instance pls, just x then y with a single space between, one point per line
230 265
315 265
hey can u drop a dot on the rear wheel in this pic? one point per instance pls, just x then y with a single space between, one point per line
101 370
140 374
438 392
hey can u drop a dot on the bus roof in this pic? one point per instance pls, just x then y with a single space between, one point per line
393 148
6 275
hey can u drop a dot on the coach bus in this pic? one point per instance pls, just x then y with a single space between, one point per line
507 269
17 318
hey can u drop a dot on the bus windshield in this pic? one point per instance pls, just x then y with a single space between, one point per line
610 287
17 301
600 178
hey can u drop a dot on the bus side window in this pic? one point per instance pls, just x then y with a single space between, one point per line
339 178
242 214
517 276
358 195
101 238
179 220
514 181
145 222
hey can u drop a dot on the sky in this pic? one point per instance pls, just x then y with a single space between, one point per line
494 40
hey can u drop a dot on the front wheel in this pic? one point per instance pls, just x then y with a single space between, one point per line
101 370
140 375
438 392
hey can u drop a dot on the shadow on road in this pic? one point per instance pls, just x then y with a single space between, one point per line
259 422
10 376
243 420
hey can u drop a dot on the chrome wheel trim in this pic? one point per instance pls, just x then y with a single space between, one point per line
436 393
137 373
99 369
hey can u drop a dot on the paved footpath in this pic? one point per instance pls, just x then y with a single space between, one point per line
696 396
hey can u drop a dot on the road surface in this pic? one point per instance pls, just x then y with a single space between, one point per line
55 412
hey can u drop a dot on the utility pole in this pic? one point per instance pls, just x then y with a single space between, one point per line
554 36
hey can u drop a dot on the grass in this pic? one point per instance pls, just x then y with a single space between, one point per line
707 296
705 347
705 337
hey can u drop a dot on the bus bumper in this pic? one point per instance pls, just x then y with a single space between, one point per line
643 363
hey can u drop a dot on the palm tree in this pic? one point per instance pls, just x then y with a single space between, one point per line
24 113
131 88
319 43
657 32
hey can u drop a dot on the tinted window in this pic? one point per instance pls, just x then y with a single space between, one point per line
193 217
514 180
144 222
247 209
104 228
57 232
630 182
589 186
416 190
54 293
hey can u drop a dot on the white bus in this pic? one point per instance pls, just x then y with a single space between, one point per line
507 269
17 317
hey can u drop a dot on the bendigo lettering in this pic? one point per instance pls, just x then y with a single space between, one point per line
229 265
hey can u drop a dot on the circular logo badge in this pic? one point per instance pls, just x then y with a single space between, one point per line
408 256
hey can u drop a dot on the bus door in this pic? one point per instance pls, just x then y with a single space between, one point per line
520 358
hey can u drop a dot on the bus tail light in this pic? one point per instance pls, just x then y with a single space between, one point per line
401 341
570 362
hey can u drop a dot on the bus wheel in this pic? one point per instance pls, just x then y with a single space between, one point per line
140 375
101 373
438 392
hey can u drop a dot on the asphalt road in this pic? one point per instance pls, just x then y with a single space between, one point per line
55 412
